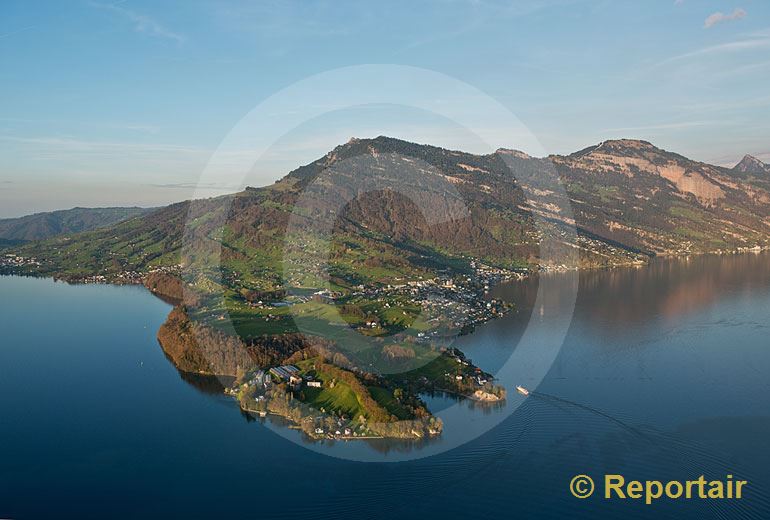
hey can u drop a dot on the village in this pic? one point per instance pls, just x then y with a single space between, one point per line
12 262
130 277
449 304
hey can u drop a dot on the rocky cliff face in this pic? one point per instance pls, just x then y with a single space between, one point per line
623 194
752 165
637 194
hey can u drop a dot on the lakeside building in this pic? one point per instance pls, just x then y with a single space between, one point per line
288 373
261 378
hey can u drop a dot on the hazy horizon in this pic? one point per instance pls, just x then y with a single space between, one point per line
123 103
191 188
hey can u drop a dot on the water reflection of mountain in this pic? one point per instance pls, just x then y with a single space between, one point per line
612 302
669 289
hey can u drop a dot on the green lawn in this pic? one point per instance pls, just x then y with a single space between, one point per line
384 398
435 369
341 399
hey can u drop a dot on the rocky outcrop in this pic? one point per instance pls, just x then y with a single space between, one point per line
165 285
751 165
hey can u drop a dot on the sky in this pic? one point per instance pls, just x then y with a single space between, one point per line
125 103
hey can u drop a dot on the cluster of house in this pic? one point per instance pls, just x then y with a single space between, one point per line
290 374
261 379
326 296
489 273
12 260
347 432
449 302
476 375
753 249
453 302
167 269
125 277
595 246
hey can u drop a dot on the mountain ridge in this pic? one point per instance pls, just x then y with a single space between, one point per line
627 198
623 193
47 224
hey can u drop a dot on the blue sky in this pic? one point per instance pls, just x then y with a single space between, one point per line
116 103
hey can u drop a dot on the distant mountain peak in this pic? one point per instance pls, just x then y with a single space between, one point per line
628 142
40 226
380 139
514 153
750 164
619 147
383 144
626 146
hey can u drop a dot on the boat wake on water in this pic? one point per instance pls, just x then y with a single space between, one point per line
625 426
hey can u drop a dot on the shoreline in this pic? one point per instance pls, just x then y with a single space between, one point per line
168 298
137 278
294 426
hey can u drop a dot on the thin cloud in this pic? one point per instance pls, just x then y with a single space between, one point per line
736 46
198 185
143 23
135 127
663 126
81 145
763 33
725 105
17 31
720 17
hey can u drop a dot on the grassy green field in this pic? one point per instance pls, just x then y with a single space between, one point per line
435 369
340 399
335 396
344 323
384 398
351 398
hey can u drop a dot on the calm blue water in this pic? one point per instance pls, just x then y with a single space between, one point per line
664 375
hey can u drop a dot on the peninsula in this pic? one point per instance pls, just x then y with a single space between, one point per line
332 297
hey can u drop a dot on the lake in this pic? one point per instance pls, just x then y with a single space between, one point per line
663 375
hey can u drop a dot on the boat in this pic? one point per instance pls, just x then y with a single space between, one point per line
522 390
